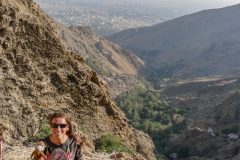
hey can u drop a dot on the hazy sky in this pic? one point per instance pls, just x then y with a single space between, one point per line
171 8
193 4
181 7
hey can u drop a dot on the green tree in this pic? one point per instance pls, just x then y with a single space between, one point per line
146 111
136 116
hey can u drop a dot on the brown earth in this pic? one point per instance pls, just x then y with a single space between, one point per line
118 67
109 56
39 75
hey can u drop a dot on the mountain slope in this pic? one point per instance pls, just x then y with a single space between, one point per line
195 45
110 58
39 75
116 66
212 118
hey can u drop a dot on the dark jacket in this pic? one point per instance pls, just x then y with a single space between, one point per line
70 150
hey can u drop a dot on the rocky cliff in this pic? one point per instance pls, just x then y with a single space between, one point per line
118 67
108 57
39 75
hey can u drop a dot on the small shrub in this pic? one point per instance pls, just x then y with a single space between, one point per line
97 66
233 129
43 132
110 143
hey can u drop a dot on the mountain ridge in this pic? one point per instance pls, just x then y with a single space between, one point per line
191 46
39 75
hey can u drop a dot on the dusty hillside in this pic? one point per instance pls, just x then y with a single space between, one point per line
201 44
108 57
212 119
117 67
39 75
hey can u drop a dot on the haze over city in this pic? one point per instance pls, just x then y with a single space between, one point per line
185 5
107 17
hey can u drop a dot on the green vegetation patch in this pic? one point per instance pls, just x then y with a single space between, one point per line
110 143
44 131
96 66
146 111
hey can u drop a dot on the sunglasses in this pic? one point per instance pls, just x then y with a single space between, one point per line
54 125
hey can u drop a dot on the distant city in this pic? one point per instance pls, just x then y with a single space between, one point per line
110 16
105 19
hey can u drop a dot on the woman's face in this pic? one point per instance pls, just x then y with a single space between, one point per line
59 127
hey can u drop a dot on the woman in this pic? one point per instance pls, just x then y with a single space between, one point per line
63 143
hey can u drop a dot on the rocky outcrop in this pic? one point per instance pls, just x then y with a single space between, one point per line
117 66
121 83
103 56
39 75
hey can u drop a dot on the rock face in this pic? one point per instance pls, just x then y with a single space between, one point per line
121 83
109 58
116 66
39 75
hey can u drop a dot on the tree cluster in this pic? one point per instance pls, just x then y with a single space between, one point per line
146 111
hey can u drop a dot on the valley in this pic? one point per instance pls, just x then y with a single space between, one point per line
191 111
212 104
173 85
197 45
194 118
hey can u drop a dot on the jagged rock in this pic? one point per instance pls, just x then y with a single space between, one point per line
117 66
39 75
